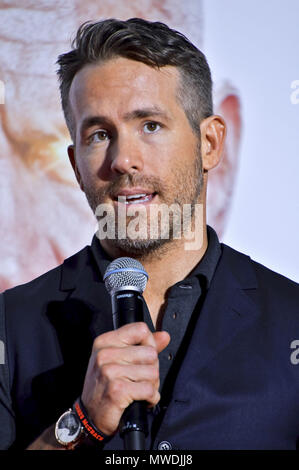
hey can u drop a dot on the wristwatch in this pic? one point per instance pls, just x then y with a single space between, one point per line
69 431
74 426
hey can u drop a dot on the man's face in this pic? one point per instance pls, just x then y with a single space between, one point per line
138 142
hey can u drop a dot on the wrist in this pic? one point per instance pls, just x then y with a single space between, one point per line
75 429
89 427
46 441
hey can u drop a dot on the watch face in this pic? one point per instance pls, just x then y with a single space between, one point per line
68 428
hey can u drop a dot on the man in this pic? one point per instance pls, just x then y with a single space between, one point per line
36 180
212 357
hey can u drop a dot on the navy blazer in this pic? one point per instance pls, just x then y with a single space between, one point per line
237 387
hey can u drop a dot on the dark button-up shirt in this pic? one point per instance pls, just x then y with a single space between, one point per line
182 299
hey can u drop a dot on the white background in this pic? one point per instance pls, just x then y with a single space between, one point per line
256 44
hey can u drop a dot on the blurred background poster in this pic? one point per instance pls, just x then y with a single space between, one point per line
253 195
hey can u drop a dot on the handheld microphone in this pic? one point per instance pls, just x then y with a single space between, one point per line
125 280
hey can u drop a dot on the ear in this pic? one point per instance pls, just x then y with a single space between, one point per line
213 131
222 178
71 150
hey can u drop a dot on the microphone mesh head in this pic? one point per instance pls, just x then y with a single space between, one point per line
125 272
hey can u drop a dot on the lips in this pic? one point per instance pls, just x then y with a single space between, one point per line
134 196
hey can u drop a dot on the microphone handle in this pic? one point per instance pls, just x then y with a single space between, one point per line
127 307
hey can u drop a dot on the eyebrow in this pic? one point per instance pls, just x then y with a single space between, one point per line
91 121
146 112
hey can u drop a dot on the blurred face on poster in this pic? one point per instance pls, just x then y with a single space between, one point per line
43 211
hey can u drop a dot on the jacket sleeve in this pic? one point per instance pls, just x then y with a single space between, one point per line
7 418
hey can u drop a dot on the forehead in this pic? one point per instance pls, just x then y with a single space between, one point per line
121 83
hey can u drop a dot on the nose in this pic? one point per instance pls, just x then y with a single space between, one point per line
126 156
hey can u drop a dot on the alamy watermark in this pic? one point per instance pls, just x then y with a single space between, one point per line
294 357
295 94
2 353
2 92
153 222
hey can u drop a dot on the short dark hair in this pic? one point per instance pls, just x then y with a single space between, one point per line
152 43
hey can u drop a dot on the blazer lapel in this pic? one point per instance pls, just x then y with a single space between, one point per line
230 306
85 312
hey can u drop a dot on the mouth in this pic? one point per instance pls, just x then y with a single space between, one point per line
134 196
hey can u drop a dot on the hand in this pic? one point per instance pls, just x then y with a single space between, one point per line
123 367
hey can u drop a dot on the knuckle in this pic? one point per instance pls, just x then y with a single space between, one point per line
151 353
96 345
115 389
143 329
149 391
152 373
100 359
155 373
103 356
108 371
99 341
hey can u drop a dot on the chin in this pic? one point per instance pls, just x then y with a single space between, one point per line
139 248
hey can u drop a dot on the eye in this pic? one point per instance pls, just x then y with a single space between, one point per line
151 127
102 136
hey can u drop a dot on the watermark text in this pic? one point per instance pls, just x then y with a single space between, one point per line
294 358
295 94
153 222
2 353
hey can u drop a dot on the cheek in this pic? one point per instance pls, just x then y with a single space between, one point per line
87 170
89 162
177 155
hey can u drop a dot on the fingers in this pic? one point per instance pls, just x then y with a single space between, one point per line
129 355
130 372
105 405
131 334
122 394
123 368
162 339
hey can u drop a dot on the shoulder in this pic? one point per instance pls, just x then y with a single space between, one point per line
275 289
29 315
239 258
48 287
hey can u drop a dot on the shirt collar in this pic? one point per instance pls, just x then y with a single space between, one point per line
207 265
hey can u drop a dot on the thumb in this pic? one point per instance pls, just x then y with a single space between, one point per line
162 339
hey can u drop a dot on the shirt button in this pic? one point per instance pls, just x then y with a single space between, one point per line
164 445
174 315
170 356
